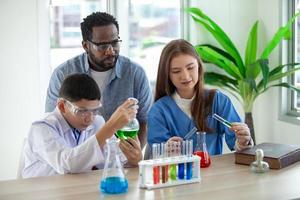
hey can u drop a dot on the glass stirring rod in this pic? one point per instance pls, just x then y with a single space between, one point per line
222 120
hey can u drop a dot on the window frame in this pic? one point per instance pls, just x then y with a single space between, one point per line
288 113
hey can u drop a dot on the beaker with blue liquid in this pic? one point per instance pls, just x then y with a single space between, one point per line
113 180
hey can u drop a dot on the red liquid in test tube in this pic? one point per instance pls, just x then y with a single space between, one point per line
155 155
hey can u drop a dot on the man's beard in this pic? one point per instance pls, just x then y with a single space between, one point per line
104 64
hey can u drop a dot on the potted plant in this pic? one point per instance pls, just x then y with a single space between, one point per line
244 79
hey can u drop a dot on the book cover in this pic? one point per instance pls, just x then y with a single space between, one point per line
277 155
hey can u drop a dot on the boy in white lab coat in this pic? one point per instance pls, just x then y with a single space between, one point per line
71 138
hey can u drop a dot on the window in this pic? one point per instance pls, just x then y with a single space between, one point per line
291 101
65 33
296 51
146 27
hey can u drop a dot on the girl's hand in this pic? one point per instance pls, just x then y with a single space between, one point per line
243 136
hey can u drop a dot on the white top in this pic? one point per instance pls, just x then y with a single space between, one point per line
101 78
51 147
183 104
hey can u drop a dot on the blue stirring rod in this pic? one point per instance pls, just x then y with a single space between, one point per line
222 120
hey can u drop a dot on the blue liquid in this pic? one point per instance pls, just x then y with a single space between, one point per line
114 185
189 170
181 171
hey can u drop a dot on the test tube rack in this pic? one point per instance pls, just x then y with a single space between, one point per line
146 176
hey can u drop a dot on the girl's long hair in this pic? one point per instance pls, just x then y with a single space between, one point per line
201 104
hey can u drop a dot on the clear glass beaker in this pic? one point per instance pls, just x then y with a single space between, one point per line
113 180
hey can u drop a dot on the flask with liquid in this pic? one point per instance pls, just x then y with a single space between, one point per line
201 150
113 180
131 129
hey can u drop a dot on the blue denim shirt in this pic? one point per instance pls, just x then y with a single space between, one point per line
127 80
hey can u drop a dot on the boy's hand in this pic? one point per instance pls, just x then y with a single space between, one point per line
132 150
124 114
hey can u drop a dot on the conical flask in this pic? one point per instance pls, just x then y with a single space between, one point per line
131 129
201 150
113 180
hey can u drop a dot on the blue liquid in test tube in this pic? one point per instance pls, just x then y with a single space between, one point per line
189 166
181 165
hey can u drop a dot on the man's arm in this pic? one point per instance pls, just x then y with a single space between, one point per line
144 97
53 90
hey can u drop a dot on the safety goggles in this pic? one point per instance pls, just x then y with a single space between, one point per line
83 112
103 46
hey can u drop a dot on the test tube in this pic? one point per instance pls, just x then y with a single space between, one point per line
222 120
173 169
189 165
181 165
155 155
164 168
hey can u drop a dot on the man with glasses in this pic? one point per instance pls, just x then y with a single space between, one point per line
117 76
71 138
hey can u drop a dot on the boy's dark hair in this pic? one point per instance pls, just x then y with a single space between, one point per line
96 19
79 86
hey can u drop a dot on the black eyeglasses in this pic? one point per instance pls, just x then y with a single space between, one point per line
103 46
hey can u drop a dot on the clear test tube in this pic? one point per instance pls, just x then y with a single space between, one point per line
155 155
181 165
164 168
189 166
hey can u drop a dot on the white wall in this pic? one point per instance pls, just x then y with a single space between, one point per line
24 53
19 79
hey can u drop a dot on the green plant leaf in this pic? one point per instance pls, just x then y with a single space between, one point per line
220 51
276 73
284 74
210 55
281 33
264 65
213 76
279 68
253 70
224 82
218 34
288 35
286 85
251 49
252 84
